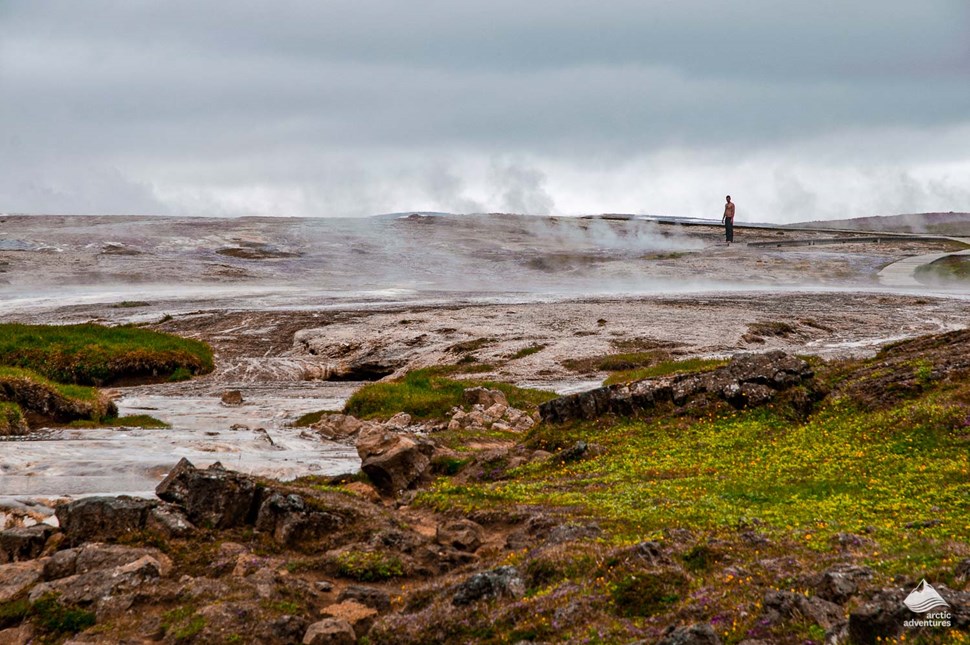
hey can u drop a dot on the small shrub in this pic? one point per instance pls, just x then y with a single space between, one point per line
368 566
646 593
180 374
13 613
51 617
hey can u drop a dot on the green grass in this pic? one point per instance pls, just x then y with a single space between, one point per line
310 418
368 566
78 392
54 619
666 368
425 395
11 417
842 471
527 351
132 421
92 354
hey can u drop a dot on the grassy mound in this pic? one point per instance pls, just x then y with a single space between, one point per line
12 422
41 398
97 355
426 394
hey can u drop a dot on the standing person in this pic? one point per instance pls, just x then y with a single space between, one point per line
728 220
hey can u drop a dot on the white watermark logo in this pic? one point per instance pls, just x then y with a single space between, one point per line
921 600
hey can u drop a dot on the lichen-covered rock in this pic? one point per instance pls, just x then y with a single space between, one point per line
749 380
463 535
841 582
103 519
330 631
289 519
214 497
698 634
784 606
23 542
18 576
393 462
503 581
484 397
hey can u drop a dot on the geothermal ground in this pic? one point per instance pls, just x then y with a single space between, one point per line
301 312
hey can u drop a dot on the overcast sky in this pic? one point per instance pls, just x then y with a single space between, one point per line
799 110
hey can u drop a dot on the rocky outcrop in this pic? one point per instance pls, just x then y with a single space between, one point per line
289 519
463 535
214 497
785 606
100 519
23 542
749 380
500 582
698 634
393 462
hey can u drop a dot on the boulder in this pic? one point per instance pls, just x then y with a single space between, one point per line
103 519
463 535
232 398
503 581
393 462
784 606
359 616
214 497
368 596
288 519
18 576
697 634
879 619
337 427
23 542
484 397
330 631
113 588
841 582
170 521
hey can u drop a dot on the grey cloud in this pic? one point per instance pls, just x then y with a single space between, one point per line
357 106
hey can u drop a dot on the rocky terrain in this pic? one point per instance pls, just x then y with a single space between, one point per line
221 556
716 444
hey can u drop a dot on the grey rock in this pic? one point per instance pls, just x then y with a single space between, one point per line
841 582
484 397
214 497
392 461
23 542
290 520
330 631
783 606
463 535
748 380
697 634
103 519
503 581
15 577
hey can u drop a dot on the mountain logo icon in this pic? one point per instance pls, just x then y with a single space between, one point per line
923 598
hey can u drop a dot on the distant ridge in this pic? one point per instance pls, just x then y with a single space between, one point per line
951 223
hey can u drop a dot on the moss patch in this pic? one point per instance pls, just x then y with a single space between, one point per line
666 368
424 395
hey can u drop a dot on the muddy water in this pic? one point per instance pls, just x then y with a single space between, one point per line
254 438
